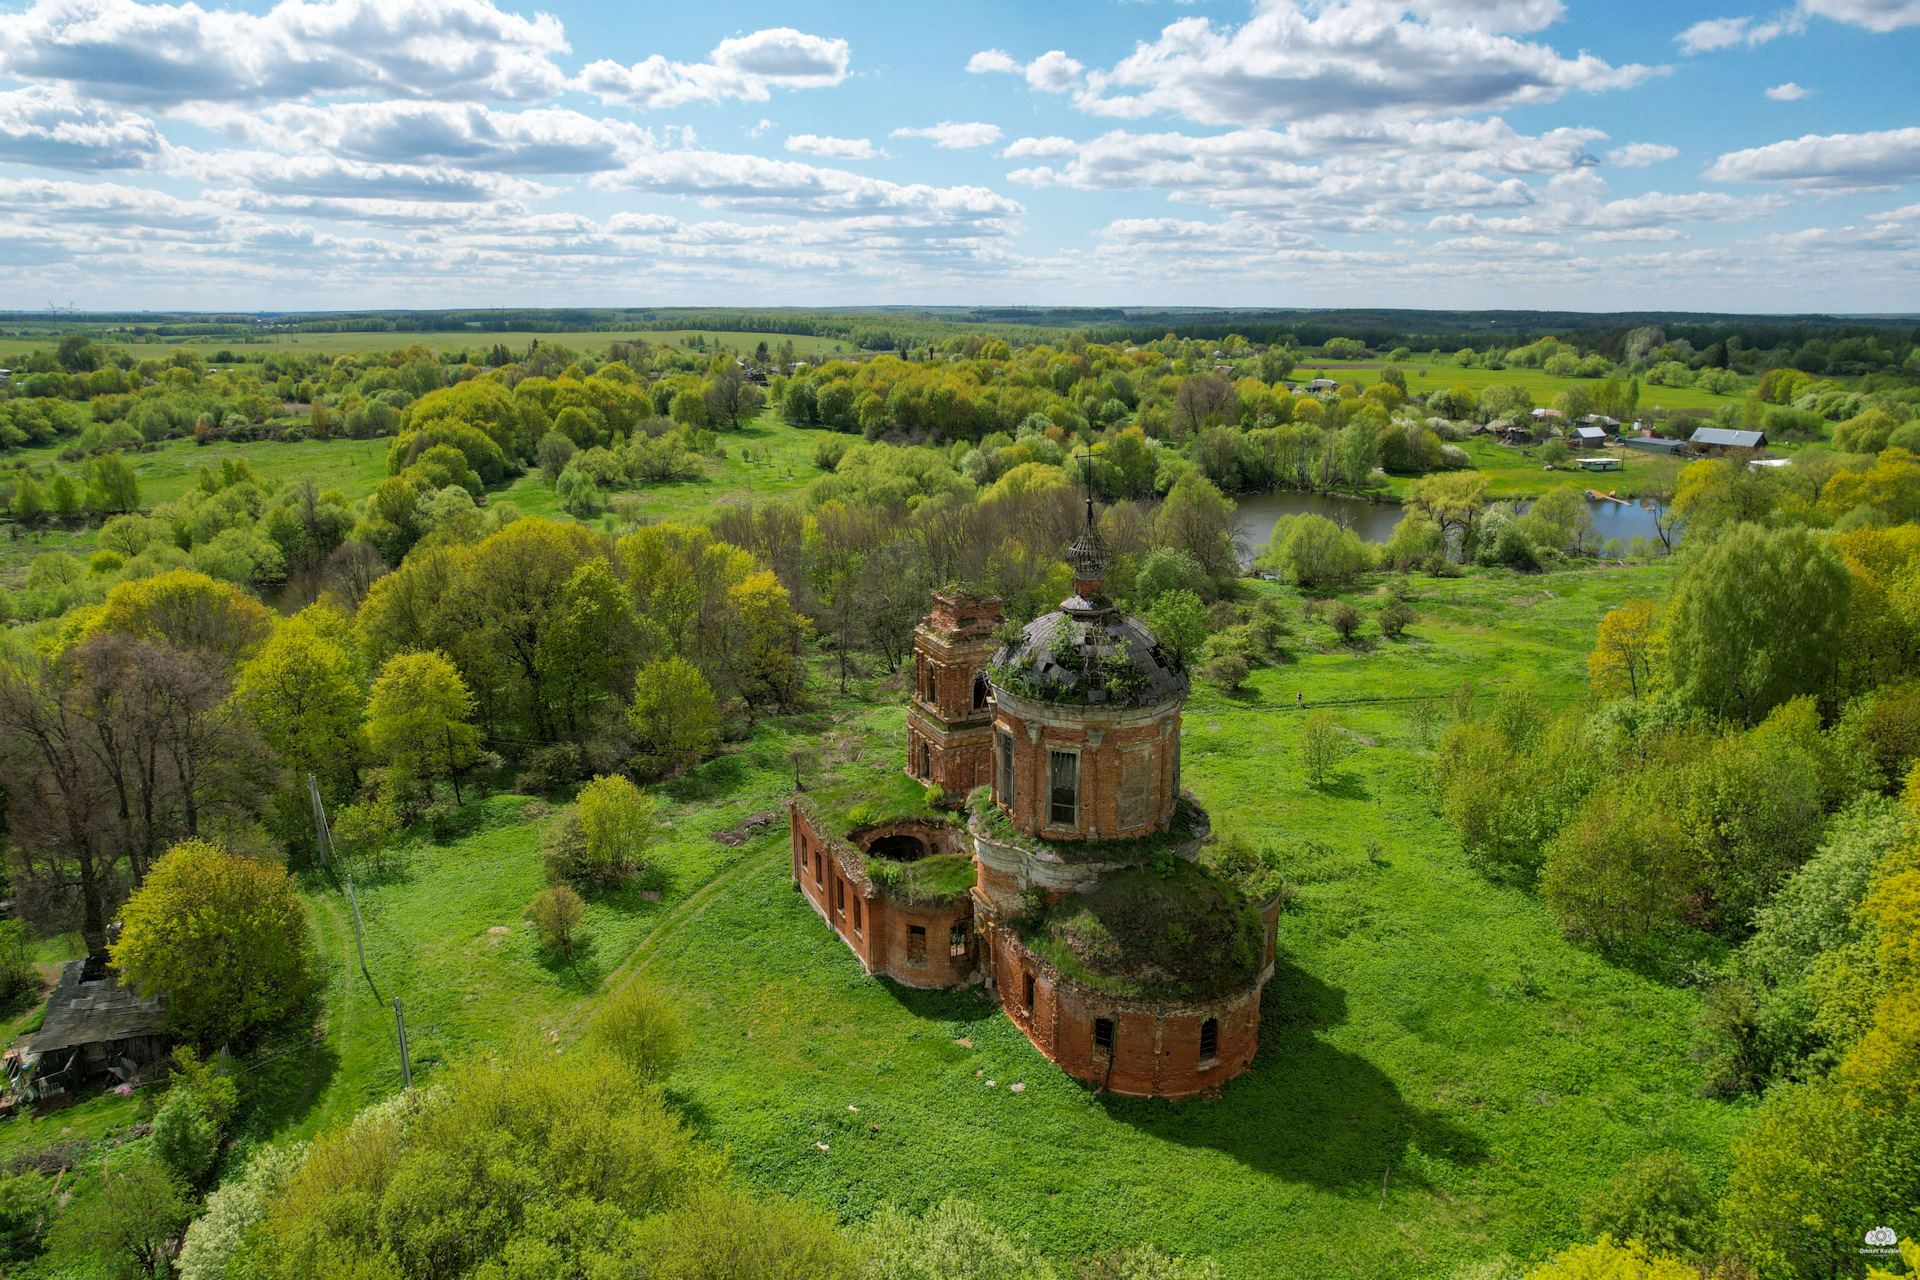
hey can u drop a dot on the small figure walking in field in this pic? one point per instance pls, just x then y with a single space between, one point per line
1299 701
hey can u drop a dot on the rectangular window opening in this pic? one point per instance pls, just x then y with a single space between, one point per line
1210 1038
1133 788
1006 769
957 940
856 914
840 895
916 944
1029 994
1103 1034
819 869
1063 784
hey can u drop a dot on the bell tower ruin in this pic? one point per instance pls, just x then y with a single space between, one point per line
950 718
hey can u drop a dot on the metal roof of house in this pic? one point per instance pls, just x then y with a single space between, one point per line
1726 438
99 1012
1654 444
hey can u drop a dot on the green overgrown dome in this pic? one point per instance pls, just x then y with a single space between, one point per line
1087 654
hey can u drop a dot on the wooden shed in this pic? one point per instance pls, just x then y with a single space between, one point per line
93 1027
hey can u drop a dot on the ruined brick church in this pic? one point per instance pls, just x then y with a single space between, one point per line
1060 866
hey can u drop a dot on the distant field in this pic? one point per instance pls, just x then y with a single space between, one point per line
1512 474
1424 376
336 344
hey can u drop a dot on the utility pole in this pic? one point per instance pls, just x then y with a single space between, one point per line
406 1067
322 838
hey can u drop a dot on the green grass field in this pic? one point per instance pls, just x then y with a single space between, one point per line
1425 376
1426 1027
338 344
1511 474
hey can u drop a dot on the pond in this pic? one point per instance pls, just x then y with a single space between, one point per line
1374 521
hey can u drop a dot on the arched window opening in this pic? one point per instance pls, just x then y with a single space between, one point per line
1210 1038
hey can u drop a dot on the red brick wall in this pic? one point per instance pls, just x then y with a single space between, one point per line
881 937
1100 773
1156 1051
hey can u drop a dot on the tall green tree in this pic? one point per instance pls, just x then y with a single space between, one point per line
224 935
1756 620
302 689
674 715
419 719
113 487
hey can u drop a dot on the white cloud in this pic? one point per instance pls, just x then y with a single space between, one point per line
1638 155
755 185
162 55
1725 33
1837 162
1054 72
834 148
541 140
48 127
1788 92
1874 15
744 67
135 210
992 60
327 177
1040 148
1343 59
954 135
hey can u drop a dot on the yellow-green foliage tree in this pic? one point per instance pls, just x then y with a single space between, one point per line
674 715
185 609
224 935
573 1166
1621 664
303 690
1609 1259
616 828
419 719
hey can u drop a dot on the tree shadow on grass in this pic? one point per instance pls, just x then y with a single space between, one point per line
717 777
1306 1112
1345 785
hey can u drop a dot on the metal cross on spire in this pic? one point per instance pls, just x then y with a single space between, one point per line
1088 554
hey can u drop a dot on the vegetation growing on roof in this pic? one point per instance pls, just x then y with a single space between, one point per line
1167 930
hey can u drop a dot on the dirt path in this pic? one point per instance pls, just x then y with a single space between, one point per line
670 927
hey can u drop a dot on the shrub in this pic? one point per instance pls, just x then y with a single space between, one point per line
616 825
1608 1259
552 454
550 768
18 977
1396 617
951 1241
674 715
188 1126
130 1223
1554 452
217 1237
1345 620
1312 551
23 1208
1322 746
557 913
642 1028
1228 671
1657 1201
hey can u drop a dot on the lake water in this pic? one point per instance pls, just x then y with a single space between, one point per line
1374 521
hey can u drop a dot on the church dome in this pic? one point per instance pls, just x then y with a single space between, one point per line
1086 652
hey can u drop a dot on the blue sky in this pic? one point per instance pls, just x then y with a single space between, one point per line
1432 153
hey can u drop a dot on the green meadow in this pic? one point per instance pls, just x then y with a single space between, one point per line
1442 1077
1425 375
